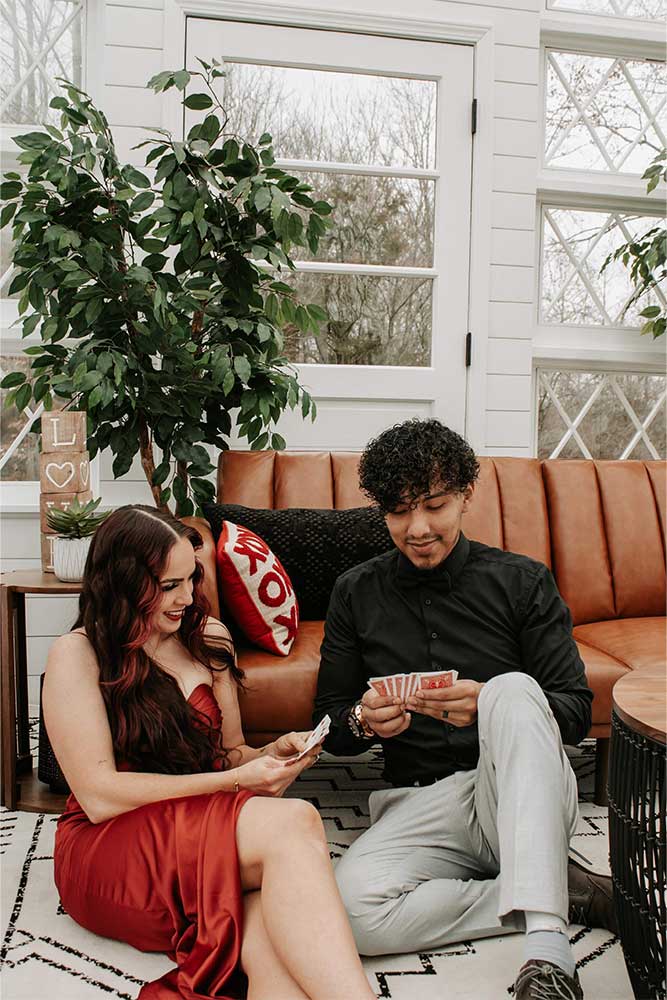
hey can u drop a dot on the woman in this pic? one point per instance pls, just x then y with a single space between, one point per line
175 837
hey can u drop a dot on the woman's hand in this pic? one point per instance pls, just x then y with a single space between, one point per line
288 745
267 775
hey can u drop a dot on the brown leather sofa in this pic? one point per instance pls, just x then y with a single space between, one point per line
600 526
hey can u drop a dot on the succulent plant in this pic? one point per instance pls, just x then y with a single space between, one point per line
78 520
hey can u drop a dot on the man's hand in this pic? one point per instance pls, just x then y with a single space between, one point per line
384 714
456 704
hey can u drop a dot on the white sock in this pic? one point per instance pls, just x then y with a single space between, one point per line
548 943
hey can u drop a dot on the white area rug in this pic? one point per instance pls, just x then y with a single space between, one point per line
46 956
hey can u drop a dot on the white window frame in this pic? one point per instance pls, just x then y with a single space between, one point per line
594 34
22 497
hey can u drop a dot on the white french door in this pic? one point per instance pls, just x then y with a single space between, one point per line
381 128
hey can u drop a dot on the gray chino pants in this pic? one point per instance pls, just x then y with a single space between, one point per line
465 857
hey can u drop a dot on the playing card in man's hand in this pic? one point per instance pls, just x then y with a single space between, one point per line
433 679
403 686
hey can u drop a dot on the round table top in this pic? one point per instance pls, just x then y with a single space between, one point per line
640 699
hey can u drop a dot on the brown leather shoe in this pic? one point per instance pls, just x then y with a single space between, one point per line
539 980
591 898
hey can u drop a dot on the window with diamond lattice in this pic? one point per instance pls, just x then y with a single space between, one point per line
598 414
19 459
603 113
575 245
41 40
647 10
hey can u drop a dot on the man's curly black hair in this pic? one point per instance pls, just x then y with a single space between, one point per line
409 459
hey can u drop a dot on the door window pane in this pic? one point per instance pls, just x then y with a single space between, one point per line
377 220
333 116
372 321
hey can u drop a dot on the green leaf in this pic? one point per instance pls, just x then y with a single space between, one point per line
242 368
94 309
182 79
650 312
23 396
11 380
262 199
6 214
322 208
198 102
278 442
142 201
228 382
161 472
10 189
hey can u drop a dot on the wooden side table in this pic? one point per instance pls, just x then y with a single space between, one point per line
17 784
637 820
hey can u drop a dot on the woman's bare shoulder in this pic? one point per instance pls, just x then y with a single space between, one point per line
72 651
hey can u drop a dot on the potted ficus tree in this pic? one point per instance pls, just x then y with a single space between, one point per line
159 300
74 526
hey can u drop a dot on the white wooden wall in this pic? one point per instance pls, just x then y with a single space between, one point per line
503 290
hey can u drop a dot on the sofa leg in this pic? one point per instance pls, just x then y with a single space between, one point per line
601 772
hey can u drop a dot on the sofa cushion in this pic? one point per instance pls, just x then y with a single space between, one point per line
281 700
602 672
256 589
634 642
314 546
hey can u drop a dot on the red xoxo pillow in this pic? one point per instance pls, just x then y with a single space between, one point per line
256 589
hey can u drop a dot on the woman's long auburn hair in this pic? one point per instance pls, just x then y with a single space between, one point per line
153 727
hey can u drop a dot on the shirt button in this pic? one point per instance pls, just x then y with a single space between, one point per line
427 601
434 635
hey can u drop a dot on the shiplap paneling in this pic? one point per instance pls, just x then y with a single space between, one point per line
513 246
49 616
127 66
512 211
135 27
516 64
508 429
515 174
516 100
511 284
511 319
514 138
508 392
133 107
509 357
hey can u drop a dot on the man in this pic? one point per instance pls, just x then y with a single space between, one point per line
473 839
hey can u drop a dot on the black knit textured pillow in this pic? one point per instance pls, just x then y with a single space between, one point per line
314 546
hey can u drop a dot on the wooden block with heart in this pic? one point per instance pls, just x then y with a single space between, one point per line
58 501
63 431
65 472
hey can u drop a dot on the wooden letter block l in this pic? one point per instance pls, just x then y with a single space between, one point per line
63 430
60 501
66 472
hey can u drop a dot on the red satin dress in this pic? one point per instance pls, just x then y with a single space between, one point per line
163 877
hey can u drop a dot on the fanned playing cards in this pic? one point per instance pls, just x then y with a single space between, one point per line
403 686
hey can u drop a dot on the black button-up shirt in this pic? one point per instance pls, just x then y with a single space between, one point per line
482 612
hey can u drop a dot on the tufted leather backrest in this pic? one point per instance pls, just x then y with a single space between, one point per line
599 525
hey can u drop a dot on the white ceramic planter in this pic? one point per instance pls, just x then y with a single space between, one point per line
69 558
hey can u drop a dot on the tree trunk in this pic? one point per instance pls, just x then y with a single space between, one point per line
148 463
182 473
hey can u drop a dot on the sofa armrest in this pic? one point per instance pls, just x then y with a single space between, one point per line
206 557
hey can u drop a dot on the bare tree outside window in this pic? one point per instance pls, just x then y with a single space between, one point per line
40 40
647 10
603 113
23 463
326 117
596 414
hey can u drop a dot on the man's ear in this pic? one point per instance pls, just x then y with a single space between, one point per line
467 497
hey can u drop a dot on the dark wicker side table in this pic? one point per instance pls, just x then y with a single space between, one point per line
637 820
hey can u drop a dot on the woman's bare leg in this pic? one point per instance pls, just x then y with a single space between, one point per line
282 850
267 976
